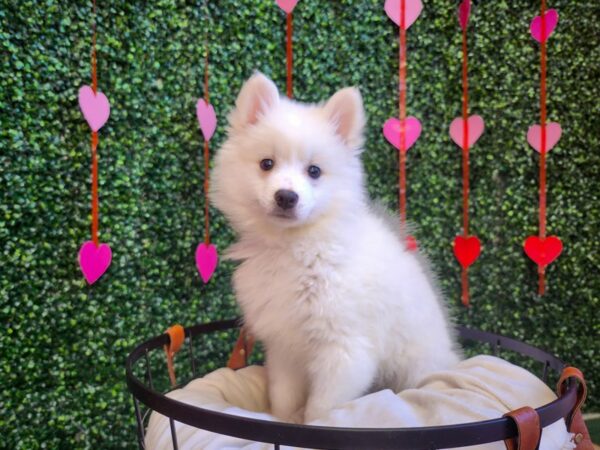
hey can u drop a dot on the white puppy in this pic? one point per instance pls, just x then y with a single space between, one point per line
325 282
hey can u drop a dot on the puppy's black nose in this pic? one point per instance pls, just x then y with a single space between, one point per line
286 199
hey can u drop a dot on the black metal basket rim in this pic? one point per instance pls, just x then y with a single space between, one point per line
259 430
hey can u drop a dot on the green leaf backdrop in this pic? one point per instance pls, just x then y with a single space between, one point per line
63 343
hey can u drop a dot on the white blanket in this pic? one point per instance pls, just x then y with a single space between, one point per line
480 388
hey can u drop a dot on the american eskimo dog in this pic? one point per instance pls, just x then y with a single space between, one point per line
325 281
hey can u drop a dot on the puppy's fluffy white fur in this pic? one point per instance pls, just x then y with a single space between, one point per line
330 289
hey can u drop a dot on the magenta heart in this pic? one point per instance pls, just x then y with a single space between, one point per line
287 5
206 260
206 118
412 9
475 130
464 10
550 19
391 131
94 260
534 136
94 106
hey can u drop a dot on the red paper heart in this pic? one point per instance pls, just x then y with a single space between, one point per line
466 250
543 251
411 243
463 13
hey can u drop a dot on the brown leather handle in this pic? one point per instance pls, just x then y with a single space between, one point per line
574 421
241 351
528 428
561 387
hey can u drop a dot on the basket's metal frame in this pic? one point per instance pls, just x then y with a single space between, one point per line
279 433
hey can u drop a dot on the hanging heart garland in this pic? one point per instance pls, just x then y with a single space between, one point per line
475 126
542 249
464 11
206 260
94 106
288 7
392 131
206 255
94 260
466 250
207 119
412 11
553 133
404 131
94 257
465 131
550 22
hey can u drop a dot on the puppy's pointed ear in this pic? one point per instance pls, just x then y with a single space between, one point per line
346 113
258 95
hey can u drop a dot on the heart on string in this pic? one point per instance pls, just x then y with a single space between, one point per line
391 131
94 106
206 260
466 250
475 130
94 260
287 5
543 251
464 10
411 12
207 118
411 243
553 133
551 19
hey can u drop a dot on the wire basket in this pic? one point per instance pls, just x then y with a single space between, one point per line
278 433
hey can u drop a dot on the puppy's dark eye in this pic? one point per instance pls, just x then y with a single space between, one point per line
267 164
314 172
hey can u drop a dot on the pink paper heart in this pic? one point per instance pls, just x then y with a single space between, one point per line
551 19
412 10
95 107
475 130
534 136
391 131
207 118
287 5
464 10
206 260
94 260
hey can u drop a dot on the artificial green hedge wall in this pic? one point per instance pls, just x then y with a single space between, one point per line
63 343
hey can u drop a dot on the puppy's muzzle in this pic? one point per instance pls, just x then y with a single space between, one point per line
286 199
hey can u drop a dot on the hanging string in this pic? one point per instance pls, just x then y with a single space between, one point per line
289 54
206 156
542 219
402 110
94 145
465 160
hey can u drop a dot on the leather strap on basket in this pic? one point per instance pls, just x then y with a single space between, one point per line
528 429
176 337
241 351
574 421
